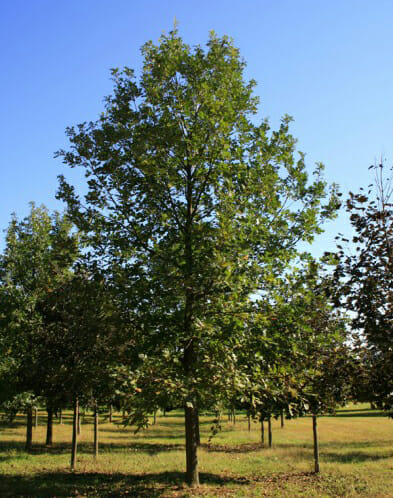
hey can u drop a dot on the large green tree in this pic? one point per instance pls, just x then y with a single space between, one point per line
191 205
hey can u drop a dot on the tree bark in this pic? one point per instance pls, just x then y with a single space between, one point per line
282 419
95 431
29 429
192 473
249 422
35 417
74 434
316 445
269 426
61 416
154 417
110 414
49 427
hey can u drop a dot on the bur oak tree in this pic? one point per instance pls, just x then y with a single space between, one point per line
191 204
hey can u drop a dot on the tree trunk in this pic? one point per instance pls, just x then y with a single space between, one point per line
192 474
49 427
190 346
74 434
95 431
61 416
29 429
282 419
154 417
110 414
35 417
234 417
79 423
262 431
316 447
269 426
249 422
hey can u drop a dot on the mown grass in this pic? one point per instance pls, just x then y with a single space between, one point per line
356 449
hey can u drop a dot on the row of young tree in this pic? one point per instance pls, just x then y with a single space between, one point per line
177 278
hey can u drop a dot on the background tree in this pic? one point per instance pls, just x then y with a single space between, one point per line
39 253
366 278
191 205
86 334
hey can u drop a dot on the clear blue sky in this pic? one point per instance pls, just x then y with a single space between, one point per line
328 64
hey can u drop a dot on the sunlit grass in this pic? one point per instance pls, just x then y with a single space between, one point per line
356 458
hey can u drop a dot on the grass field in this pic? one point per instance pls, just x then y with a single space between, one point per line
356 448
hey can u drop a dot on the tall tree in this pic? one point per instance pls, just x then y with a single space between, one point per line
191 205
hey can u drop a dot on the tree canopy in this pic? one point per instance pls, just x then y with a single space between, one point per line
191 206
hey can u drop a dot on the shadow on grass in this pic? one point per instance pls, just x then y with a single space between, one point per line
62 484
239 448
355 456
86 448
357 413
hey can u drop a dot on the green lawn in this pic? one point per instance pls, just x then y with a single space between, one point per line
356 448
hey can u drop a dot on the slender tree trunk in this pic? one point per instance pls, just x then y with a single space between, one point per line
35 417
269 426
74 434
282 419
192 474
49 427
316 445
29 429
61 416
95 431
79 423
229 415
262 431
234 417
249 422
154 417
